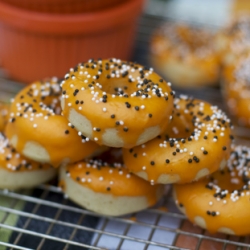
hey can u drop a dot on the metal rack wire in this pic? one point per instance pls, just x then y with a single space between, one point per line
44 219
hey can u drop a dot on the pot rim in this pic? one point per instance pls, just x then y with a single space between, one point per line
70 24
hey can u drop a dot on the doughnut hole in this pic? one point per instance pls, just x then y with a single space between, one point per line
121 85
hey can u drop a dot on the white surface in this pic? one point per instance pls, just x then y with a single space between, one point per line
212 13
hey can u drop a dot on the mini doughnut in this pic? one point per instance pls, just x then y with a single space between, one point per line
38 131
107 189
116 103
200 149
220 202
18 172
185 55
4 111
233 40
236 90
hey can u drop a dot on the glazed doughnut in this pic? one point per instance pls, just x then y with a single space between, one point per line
185 55
38 131
18 172
107 189
180 159
234 39
116 103
220 202
236 90
4 111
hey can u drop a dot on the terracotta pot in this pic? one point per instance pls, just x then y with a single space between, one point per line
36 45
63 6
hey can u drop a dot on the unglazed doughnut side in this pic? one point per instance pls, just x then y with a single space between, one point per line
197 143
116 103
107 189
18 172
39 132
220 202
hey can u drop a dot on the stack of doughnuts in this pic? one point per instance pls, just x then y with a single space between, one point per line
117 134
120 105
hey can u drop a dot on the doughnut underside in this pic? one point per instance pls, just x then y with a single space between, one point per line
201 222
28 179
36 151
105 204
111 136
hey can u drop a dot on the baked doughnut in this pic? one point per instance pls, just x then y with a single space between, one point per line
38 131
4 111
184 159
18 172
220 202
234 39
236 90
185 55
107 189
116 103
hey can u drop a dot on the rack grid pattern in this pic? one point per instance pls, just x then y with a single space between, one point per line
66 226
44 219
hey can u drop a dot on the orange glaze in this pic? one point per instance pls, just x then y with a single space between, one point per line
236 89
4 112
35 117
12 161
178 159
222 199
121 96
233 40
178 49
111 179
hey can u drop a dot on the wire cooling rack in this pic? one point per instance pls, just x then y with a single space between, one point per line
44 219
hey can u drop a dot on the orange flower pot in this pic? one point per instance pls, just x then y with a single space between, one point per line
36 45
63 6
